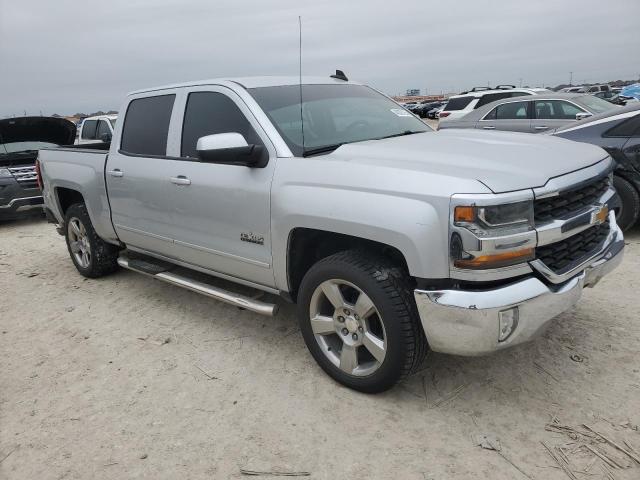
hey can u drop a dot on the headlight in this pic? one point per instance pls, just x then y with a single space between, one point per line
489 223
495 220
5 173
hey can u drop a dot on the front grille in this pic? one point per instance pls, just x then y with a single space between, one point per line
25 175
569 201
557 256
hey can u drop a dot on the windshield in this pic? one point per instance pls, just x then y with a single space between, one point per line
595 104
333 115
23 146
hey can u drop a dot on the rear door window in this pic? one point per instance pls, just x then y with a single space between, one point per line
555 110
458 103
208 113
509 111
146 125
89 129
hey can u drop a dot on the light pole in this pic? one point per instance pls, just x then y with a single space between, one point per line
570 79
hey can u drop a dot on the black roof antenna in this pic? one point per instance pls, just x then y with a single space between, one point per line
340 75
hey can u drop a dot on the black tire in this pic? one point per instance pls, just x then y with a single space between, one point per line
103 258
388 287
627 215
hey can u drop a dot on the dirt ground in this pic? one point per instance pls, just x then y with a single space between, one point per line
127 377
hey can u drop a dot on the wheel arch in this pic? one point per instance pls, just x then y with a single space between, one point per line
65 197
307 246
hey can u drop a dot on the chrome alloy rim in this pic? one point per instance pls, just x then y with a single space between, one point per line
348 327
79 242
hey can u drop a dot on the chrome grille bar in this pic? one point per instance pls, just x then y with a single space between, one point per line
24 174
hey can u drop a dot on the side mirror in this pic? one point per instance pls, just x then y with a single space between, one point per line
105 137
582 115
231 149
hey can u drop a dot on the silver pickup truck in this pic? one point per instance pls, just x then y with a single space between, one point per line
390 237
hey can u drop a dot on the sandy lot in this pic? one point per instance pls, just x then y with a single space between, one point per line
126 377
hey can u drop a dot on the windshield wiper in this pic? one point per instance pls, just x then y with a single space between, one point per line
402 134
324 149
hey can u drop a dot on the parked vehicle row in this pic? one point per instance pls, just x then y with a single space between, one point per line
423 110
350 207
532 114
460 105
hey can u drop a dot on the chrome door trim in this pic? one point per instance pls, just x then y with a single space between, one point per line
142 232
207 271
223 254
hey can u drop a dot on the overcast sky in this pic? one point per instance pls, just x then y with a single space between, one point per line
67 56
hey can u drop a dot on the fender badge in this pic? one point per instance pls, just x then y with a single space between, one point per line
252 238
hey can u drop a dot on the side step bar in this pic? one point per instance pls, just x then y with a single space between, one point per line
241 301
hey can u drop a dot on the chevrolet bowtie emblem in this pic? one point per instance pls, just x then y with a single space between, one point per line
601 215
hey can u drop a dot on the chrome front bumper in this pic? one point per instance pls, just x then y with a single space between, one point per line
466 322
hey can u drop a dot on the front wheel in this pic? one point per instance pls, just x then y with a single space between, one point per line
359 321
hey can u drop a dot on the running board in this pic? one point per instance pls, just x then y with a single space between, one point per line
225 296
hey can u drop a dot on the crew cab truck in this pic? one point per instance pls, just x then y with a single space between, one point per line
390 237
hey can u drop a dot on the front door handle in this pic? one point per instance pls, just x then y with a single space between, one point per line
489 127
541 127
116 172
180 180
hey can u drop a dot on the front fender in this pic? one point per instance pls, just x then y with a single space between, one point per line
415 227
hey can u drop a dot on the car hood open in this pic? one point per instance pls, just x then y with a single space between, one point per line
37 129
502 161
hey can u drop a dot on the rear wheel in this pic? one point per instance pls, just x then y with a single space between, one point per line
629 211
359 321
92 256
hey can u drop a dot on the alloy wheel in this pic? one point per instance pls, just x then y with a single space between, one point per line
79 242
348 327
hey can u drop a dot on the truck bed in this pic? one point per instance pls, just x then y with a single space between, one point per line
79 168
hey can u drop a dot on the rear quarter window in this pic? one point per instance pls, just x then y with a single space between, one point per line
458 103
146 125
628 128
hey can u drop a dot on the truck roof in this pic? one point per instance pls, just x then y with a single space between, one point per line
102 117
253 82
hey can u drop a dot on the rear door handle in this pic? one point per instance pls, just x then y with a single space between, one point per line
541 127
180 180
489 127
116 172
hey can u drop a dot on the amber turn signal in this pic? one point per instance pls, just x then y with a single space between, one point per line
496 261
464 214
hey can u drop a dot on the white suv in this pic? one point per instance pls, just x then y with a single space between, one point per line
459 105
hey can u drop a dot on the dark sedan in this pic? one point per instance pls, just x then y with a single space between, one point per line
422 109
618 132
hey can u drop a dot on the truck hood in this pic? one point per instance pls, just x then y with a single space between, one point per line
502 161
36 129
